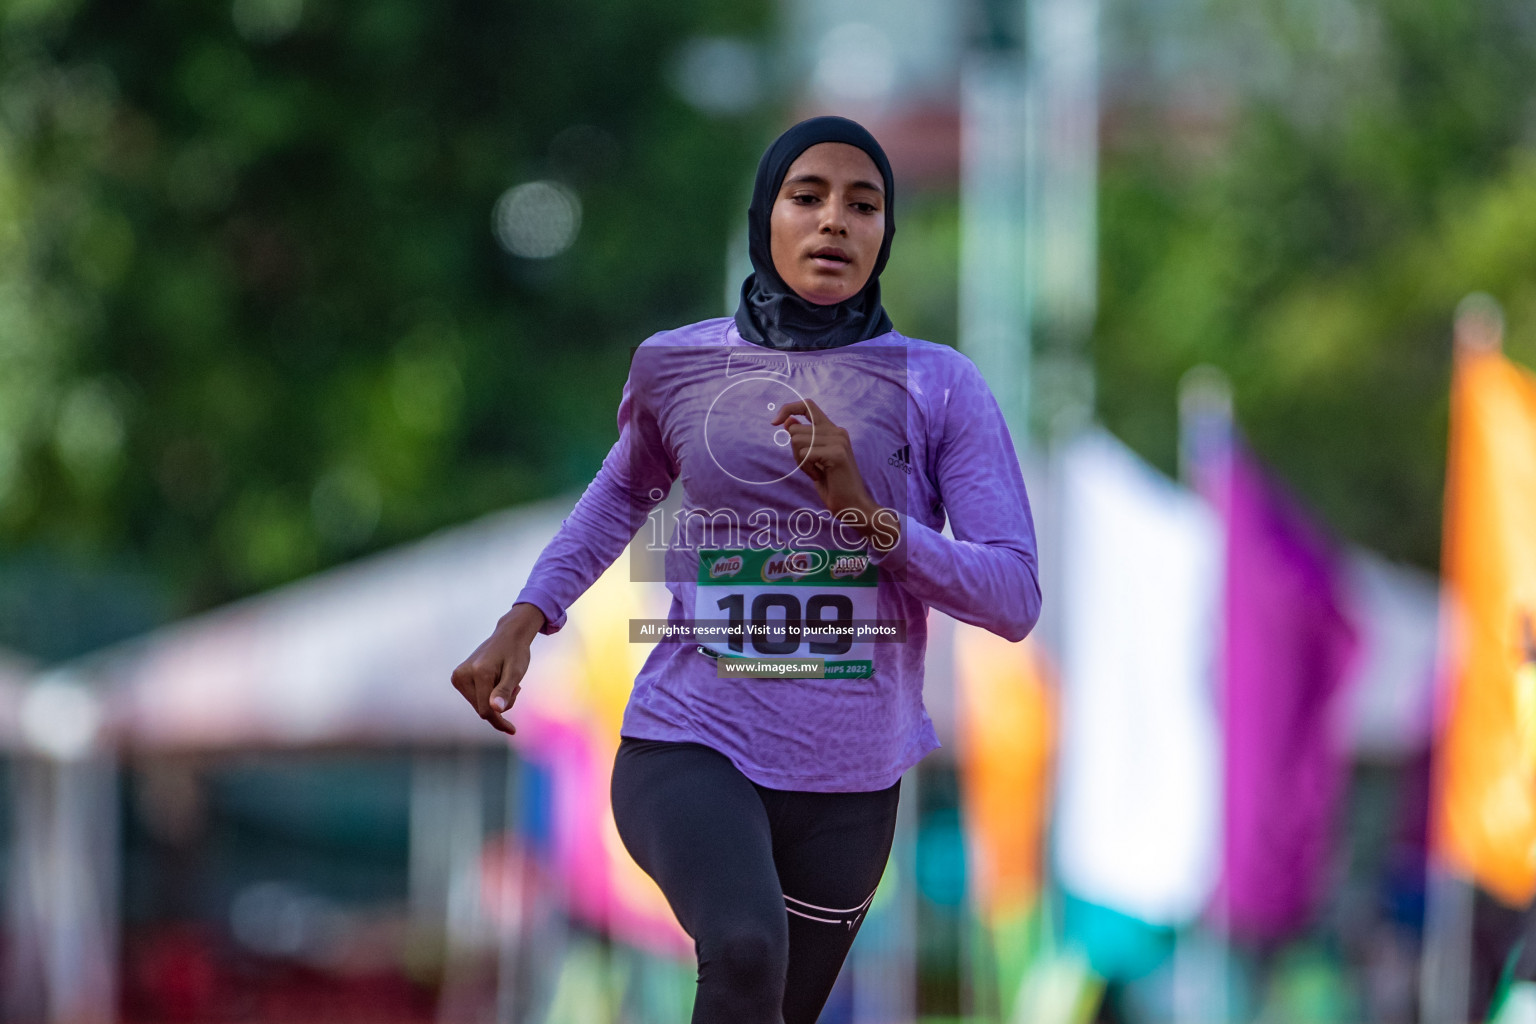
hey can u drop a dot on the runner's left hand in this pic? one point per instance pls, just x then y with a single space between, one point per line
824 452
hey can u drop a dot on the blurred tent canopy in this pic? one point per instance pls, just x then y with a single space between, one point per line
356 656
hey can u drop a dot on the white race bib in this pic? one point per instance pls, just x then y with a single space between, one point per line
790 604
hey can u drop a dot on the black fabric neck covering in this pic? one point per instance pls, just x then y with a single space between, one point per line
773 314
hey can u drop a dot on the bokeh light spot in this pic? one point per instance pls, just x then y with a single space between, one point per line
89 433
718 75
266 21
346 503
60 716
855 62
537 219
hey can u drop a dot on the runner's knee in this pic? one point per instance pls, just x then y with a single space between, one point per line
750 961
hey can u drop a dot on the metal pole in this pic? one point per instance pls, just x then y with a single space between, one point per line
1446 965
1202 965
1062 189
995 285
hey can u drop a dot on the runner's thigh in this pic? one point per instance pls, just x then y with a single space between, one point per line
696 825
830 850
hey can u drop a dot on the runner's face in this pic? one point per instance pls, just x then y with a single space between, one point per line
828 222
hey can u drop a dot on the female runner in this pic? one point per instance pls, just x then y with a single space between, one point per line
820 452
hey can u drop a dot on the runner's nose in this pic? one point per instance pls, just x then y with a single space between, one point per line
833 220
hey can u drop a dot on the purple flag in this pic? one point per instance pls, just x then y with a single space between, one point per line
1287 650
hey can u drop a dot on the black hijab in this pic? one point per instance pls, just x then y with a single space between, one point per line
773 314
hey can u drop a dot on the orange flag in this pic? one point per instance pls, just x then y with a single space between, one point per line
1006 731
1486 820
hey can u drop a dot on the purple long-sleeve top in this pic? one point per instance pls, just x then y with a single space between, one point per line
929 440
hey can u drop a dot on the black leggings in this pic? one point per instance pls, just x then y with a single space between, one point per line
771 884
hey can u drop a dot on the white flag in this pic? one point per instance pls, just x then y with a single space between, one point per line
1137 827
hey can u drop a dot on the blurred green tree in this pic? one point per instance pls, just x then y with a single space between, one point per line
1310 227
255 319
254 316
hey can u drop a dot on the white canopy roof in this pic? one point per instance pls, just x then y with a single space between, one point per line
358 654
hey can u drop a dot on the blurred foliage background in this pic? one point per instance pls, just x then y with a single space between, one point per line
253 316
254 319
1337 179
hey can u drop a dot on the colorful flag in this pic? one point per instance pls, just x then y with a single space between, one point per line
1005 729
1004 732
1136 827
1287 649
573 731
1486 788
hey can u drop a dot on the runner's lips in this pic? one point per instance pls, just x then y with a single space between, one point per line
829 252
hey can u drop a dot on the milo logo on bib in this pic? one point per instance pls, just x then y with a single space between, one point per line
790 565
725 567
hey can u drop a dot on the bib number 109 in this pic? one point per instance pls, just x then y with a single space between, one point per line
781 633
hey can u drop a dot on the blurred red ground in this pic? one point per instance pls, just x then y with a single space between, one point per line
182 973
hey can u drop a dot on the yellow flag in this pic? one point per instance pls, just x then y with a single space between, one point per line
1005 731
1486 821
637 910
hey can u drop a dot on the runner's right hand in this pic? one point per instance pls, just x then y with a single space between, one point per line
491 677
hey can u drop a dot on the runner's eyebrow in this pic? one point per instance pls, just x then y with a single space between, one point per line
816 179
